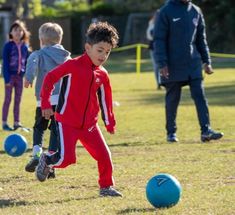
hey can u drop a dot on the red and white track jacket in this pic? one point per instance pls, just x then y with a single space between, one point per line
84 88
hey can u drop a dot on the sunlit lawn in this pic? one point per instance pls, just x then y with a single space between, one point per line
139 150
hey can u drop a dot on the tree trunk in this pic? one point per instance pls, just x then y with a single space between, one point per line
26 11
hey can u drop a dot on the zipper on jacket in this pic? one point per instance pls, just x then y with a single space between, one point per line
88 100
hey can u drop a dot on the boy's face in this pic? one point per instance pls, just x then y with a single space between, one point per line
98 52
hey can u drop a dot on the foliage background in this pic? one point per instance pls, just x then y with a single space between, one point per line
219 15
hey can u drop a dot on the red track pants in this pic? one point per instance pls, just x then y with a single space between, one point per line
93 140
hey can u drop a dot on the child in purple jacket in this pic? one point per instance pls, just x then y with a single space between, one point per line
15 54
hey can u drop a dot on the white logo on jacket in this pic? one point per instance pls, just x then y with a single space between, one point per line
176 19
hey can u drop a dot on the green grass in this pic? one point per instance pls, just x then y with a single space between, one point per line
139 150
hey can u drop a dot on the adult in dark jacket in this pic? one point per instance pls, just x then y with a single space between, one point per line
181 51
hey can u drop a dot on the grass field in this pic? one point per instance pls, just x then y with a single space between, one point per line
139 150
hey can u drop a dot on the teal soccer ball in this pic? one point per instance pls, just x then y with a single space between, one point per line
15 145
163 190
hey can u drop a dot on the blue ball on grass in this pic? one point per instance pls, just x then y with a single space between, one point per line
15 145
163 191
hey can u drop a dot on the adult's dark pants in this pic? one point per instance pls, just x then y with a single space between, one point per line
172 99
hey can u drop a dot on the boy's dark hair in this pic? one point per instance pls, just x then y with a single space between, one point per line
102 32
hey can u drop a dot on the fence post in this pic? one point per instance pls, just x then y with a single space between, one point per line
138 58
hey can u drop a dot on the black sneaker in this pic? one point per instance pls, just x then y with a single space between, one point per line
21 127
32 164
109 191
42 170
6 127
51 174
172 138
211 135
15 127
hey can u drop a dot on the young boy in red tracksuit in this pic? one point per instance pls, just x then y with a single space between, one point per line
85 86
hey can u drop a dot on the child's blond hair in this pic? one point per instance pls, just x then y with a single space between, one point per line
50 33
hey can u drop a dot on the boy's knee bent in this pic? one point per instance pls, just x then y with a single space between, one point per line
64 163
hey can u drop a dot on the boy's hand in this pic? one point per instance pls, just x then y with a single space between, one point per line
27 84
164 72
110 129
47 113
208 69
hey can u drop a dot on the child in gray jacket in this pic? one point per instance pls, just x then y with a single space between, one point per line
39 63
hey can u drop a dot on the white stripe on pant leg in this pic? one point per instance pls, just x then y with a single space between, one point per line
106 118
105 144
61 145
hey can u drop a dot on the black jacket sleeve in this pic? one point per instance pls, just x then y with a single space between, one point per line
201 41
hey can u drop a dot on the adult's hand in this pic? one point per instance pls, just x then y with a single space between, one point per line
208 69
164 72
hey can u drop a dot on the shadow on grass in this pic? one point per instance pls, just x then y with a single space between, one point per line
3 152
222 63
125 62
15 203
113 145
60 201
12 202
80 146
137 210
216 95
221 95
